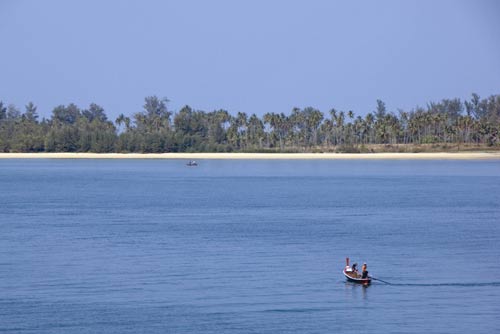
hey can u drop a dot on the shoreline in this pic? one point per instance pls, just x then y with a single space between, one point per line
262 156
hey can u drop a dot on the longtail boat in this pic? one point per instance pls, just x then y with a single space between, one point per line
352 275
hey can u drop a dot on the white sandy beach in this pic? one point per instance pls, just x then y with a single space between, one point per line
261 156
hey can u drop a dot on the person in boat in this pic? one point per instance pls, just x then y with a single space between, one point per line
355 268
364 271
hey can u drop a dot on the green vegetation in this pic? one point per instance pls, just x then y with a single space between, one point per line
442 126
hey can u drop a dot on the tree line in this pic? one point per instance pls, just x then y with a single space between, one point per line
156 129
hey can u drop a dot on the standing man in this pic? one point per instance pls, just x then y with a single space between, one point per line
364 271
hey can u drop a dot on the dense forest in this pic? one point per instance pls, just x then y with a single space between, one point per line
445 125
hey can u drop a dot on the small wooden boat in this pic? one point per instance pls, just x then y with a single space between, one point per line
192 163
352 275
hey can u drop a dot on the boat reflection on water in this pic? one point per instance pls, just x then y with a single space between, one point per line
355 291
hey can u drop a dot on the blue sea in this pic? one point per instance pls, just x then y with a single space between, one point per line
241 246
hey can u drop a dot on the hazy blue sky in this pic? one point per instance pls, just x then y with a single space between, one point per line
252 56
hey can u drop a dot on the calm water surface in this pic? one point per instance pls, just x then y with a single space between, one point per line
153 246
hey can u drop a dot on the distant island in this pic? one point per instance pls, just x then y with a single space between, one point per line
450 125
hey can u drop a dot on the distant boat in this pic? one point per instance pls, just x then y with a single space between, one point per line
352 275
192 163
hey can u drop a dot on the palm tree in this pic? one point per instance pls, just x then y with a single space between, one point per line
404 117
350 114
340 126
333 117
255 131
313 117
242 128
297 121
119 120
127 123
370 121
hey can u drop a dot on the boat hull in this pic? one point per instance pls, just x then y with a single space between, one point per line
356 278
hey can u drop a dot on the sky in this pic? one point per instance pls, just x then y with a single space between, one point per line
251 56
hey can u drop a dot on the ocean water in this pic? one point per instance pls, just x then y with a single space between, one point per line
237 246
